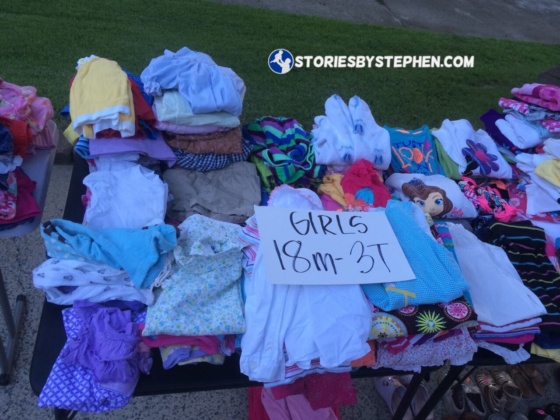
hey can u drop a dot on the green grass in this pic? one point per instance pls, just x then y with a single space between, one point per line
42 41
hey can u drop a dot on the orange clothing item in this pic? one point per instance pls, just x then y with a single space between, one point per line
21 132
367 360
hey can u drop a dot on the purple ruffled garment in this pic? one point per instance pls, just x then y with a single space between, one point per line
99 366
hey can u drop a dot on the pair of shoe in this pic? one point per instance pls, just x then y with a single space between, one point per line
511 391
528 379
392 389
499 390
465 397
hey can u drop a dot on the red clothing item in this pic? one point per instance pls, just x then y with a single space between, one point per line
322 390
521 339
208 344
141 108
21 133
256 407
363 187
294 407
26 206
368 359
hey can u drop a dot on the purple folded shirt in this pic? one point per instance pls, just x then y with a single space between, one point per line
157 149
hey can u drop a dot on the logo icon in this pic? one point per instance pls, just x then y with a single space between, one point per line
280 61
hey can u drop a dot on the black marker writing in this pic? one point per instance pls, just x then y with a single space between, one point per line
362 255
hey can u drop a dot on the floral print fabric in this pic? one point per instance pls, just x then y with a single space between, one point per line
457 348
21 103
8 197
422 319
202 296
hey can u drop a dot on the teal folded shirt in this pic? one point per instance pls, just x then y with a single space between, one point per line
438 276
140 252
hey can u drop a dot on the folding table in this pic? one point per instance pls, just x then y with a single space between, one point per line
38 167
51 337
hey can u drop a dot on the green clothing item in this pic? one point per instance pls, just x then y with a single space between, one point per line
282 152
450 168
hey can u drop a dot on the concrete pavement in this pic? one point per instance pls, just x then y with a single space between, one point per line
521 20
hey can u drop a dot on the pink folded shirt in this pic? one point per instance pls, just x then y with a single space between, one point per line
208 344
547 96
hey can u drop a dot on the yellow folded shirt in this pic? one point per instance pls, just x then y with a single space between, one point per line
553 354
101 98
549 170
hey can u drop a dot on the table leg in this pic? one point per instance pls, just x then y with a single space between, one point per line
440 391
63 414
14 325
408 395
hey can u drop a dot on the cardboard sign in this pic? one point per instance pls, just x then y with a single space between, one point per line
328 248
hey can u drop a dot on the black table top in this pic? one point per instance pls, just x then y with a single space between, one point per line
51 337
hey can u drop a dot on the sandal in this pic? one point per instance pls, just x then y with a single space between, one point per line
537 379
511 391
493 394
519 379
392 391
474 399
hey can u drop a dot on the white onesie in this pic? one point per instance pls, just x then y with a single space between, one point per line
130 197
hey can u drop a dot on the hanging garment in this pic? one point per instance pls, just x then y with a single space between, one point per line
459 349
26 206
8 196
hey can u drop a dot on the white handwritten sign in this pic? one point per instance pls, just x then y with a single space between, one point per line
327 248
